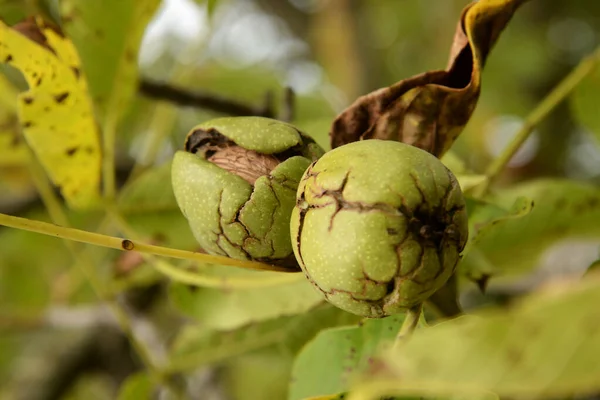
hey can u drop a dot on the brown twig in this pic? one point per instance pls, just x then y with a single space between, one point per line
288 109
164 91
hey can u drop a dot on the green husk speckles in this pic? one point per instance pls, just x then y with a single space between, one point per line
378 226
236 184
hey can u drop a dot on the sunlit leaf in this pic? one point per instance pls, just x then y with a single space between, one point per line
469 181
562 209
196 345
228 309
12 147
107 35
329 364
544 348
56 112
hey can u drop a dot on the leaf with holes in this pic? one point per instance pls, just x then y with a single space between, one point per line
56 112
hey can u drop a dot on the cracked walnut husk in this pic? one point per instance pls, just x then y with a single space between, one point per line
236 184
378 226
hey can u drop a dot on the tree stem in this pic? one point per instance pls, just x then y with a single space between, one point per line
112 242
192 278
541 111
410 323
86 266
212 102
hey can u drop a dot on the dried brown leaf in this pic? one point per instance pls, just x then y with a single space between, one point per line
431 109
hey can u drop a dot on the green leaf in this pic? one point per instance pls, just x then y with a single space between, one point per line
13 11
137 386
454 163
593 268
196 345
513 244
228 309
584 103
488 218
546 347
329 364
260 375
56 113
483 218
149 192
167 228
27 291
107 35
469 181
152 210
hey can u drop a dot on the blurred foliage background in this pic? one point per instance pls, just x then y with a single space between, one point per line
56 341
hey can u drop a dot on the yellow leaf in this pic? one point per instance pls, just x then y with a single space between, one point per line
56 112
107 35
12 148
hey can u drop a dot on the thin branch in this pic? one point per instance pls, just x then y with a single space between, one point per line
181 275
212 102
411 320
112 242
86 265
554 98
289 99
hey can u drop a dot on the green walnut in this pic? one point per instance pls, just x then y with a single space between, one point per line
236 184
378 226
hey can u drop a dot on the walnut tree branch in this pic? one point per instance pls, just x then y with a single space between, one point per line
212 102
